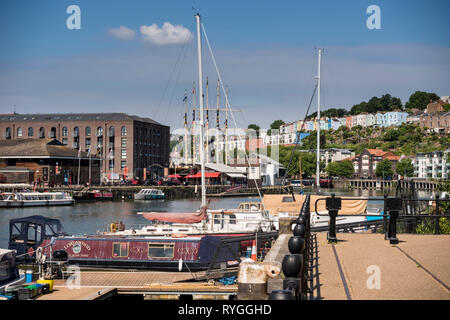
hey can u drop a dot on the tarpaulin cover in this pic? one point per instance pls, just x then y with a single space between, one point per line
275 204
178 217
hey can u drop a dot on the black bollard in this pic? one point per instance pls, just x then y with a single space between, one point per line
292 266
281 295
296 244
299 230
333 205
394 205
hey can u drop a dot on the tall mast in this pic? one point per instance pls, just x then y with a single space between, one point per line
185 128
318 122
226 129
194 156
218 124
207 121
200 99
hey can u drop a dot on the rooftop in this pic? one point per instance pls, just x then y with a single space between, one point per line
73 117
38 148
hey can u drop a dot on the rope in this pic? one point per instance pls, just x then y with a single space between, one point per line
227 105
296 141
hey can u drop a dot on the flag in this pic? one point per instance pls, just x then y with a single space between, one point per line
111 155
79 153
89 152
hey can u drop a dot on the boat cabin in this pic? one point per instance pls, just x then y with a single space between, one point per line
27 234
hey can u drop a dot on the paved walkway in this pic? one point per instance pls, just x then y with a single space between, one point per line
417 268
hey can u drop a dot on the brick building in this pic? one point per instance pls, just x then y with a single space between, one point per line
437 121
46 161
365 163
127 145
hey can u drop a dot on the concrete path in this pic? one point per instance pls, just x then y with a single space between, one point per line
367 267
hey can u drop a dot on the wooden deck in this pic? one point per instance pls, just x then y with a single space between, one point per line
92 284
418 268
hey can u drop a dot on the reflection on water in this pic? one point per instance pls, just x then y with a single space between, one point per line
91 217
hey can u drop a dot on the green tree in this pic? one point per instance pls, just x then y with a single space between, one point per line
405 168
254 127
420 99
275 126
340 169
384 169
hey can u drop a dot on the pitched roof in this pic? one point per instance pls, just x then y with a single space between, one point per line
35 148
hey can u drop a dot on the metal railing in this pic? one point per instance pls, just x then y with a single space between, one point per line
391 214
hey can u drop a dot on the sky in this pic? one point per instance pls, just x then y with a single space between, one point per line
139 56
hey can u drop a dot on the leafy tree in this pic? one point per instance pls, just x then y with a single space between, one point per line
446 107
391 135
384 169
405 168
420 99
340 169
254 127
275 126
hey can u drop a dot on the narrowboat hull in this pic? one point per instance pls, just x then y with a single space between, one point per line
90 196
156 253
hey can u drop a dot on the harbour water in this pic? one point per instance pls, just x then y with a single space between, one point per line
94 217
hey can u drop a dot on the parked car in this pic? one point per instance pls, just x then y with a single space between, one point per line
171 182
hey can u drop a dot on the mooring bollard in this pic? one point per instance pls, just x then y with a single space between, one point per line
394 205
281 295
292 266
333 205
252 279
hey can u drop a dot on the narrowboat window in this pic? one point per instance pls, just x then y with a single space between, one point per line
232 219
16 232
216 219
160 250
120 250
31 233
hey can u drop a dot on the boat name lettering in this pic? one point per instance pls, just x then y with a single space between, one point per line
77 243
187 250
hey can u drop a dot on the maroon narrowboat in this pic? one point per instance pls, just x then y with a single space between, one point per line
137 252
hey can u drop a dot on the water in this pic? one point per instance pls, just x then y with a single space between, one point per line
92 217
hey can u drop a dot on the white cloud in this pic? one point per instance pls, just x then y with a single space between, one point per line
167 34
122 33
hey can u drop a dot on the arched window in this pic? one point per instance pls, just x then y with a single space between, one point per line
41 132
30 131
8 133
76 132
124 131
53 132
111 131
64 131
99 131
19 132
88 131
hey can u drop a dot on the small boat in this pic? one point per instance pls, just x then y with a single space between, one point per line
33 199
9 273
167 253
93 195
326 183
150 194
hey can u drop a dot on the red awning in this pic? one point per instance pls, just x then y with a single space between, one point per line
207 175
174 176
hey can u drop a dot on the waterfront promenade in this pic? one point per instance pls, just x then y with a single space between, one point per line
418 268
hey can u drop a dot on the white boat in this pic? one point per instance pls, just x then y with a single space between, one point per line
33 199
149 194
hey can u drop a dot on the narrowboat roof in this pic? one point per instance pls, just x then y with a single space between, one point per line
35 219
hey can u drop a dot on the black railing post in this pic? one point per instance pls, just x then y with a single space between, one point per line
333 205
394 205
384 216
436 227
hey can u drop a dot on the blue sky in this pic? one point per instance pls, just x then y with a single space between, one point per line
265 51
